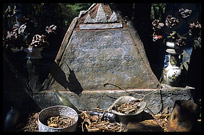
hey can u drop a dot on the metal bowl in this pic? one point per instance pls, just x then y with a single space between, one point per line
125 118
57 110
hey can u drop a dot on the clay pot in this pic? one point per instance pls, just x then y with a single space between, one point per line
182 117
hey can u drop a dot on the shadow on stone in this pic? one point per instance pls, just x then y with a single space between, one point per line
60 77
70 83
74 84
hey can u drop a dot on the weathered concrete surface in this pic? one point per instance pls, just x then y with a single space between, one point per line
100 57
90 59
100 26
156 100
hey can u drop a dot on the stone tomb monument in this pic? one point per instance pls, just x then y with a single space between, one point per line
103 52
100 59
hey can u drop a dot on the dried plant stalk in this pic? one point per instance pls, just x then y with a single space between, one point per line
97 124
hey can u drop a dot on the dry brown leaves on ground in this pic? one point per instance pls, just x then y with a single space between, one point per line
32 124
96 124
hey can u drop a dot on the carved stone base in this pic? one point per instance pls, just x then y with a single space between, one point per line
157 99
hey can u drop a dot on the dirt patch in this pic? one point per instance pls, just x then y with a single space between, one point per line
32 123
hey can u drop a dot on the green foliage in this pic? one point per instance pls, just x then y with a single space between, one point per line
157 11
60 14
71 10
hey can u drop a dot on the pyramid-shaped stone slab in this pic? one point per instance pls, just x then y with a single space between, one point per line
113 18
101 58
101 16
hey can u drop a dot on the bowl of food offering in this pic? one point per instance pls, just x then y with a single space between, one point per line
128 108
57 118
